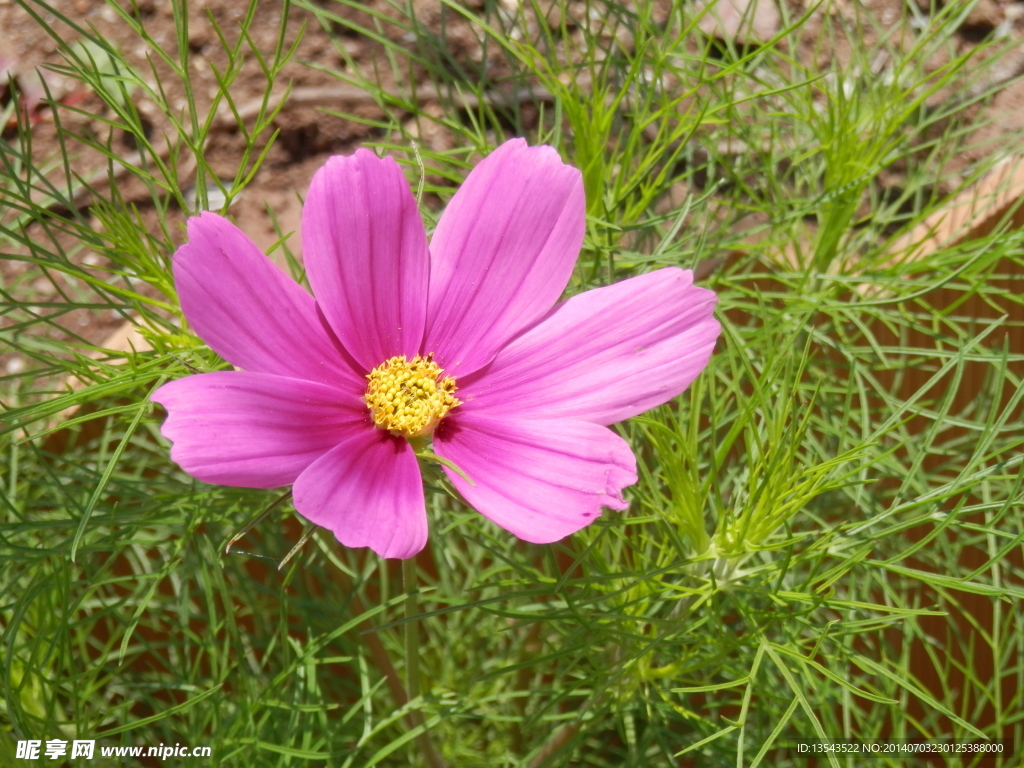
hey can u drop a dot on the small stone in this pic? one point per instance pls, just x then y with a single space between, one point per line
984 17
740 21
198 39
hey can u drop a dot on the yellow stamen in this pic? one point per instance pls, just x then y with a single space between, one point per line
409 397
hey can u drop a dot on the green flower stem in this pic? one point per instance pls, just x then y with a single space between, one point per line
378 653
412 637
412 661
401 695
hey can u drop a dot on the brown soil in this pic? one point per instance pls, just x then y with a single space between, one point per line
307 134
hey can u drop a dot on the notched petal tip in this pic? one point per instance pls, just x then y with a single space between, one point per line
344 170
604 355
503 252
365 250
248 310
538 154
251 430
204 220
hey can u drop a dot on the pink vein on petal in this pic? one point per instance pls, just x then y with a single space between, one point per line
540 480
253 430
250 312
367 491
604 355
365 251
503 252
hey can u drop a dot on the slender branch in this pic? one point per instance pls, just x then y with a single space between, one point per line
412 635
412 659
402 694
378 653
558 741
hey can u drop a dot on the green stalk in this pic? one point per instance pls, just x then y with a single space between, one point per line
412 636
412 661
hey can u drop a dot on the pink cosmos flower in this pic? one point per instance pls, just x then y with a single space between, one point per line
460 340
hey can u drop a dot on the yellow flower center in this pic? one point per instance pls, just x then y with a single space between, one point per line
409 397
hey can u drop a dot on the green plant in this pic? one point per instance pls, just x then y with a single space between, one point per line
813 518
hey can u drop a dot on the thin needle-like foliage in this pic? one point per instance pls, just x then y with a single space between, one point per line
825 540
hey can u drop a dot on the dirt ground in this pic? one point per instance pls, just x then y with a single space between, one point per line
307 134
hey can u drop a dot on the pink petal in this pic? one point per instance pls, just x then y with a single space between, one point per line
502 253
365 251
604 355
250 312
254 430
367 491
541 480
